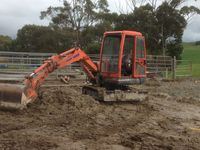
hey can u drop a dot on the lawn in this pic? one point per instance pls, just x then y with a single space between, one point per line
192 52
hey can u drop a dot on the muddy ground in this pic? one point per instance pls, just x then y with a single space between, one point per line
63 118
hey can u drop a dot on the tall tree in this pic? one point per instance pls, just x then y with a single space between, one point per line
75 14
171 25
142 19
161 24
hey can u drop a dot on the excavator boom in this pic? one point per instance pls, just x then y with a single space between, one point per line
17 97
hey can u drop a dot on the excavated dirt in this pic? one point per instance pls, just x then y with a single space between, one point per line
63 118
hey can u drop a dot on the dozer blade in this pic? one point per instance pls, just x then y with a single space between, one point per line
12 97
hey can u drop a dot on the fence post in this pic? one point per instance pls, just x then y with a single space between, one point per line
174 67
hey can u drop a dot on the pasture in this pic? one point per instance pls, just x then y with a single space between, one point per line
192 52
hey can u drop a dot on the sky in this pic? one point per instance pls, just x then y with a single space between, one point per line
14 14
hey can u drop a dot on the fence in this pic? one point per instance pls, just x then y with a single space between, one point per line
15 65
168 67
159 65
183 68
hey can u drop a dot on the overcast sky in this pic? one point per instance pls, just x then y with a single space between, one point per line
14 14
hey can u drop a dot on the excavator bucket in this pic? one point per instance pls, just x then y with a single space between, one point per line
12 97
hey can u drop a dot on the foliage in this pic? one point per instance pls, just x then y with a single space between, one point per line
197 43
174 49
172 25
92 36
76 15
42 39
157 25
85 21
5 43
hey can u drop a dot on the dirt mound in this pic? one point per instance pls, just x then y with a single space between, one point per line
63 118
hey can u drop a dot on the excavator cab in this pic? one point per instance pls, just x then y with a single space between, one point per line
123 58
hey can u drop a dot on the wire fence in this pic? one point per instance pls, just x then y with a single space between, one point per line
14 65
183 68
159 65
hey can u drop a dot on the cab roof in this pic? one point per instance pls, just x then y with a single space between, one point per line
126 32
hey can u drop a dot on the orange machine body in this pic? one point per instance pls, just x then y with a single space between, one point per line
122 61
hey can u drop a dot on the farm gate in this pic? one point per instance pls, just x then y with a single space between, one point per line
14 65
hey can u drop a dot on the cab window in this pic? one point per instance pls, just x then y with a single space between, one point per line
140 47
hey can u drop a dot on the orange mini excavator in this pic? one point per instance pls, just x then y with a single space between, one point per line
122 62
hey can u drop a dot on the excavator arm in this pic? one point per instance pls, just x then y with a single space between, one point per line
36 79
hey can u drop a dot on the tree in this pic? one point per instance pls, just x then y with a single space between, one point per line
42 39
158 23
174 49
145 21
92 36
173 17
142 19
171 24
85 21
5 43
75 14
197 43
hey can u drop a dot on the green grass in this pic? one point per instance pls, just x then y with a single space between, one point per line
192 52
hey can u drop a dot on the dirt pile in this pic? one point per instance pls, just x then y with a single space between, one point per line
63 118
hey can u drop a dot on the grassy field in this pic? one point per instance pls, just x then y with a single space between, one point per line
192 52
